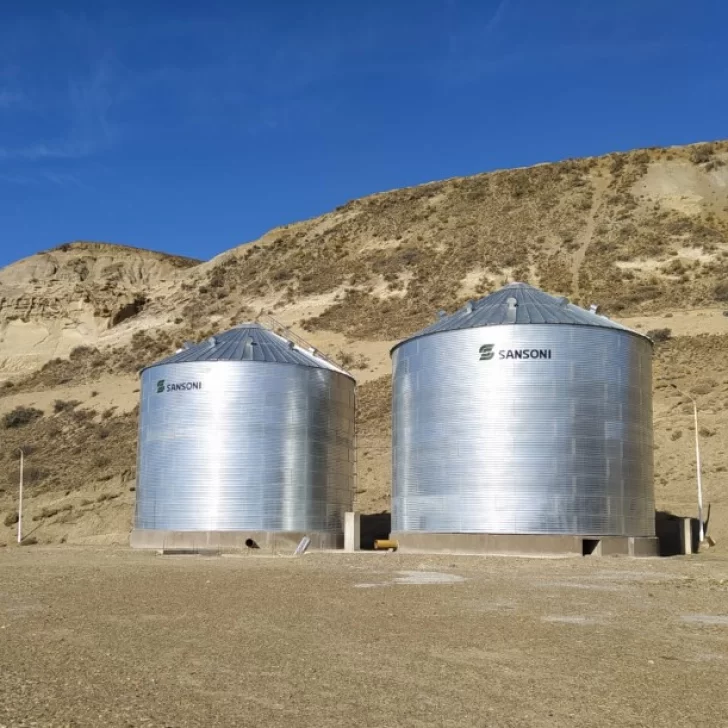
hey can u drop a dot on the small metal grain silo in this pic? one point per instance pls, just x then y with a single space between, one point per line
244 439
523 423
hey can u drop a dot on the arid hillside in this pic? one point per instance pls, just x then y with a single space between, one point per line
644 234
75 294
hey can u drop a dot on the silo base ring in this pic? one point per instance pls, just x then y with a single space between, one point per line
525 544
233 541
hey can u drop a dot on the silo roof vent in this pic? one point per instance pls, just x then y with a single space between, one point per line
521 304
247 353
250 342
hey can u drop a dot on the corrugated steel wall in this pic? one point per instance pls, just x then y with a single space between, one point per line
258 446
559 445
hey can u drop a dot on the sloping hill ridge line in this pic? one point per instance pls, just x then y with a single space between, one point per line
644 234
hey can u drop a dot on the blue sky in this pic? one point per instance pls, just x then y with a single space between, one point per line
194 127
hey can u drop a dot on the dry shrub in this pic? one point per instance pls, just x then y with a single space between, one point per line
659 335
344 358
61 405
11 519
720 291
702 153
82 352
102 461
21 416
46 513
705 386
83 415
106 497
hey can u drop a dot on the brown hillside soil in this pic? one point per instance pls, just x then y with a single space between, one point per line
699 367
644 234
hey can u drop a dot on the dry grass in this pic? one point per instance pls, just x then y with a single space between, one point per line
59 452
563 226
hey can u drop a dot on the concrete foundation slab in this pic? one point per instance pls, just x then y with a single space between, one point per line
525 545
231 541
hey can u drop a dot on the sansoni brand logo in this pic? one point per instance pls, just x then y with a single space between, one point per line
487 353
162 386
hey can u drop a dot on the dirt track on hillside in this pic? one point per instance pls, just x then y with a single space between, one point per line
117 638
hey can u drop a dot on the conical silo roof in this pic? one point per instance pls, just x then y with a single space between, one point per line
250 342
520 304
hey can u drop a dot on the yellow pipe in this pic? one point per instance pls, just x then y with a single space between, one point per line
385 543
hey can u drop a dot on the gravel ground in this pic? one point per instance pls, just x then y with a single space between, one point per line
113 637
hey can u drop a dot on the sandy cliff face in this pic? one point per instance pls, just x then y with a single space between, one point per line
73 295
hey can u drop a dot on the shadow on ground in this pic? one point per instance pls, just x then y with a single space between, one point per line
668 529
374 526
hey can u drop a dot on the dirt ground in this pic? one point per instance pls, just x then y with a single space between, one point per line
111 637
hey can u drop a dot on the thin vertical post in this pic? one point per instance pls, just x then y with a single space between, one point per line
701 533
698 466
20 500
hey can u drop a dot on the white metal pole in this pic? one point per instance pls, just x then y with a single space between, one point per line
20 503
701 534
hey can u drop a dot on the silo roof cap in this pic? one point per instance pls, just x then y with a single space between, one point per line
250 342
520 303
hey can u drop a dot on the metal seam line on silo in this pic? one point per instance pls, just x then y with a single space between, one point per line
244 432
523 414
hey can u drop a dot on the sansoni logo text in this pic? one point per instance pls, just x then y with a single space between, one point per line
179 387
487 353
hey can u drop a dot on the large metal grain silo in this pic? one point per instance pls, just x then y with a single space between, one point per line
523 423
244 438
